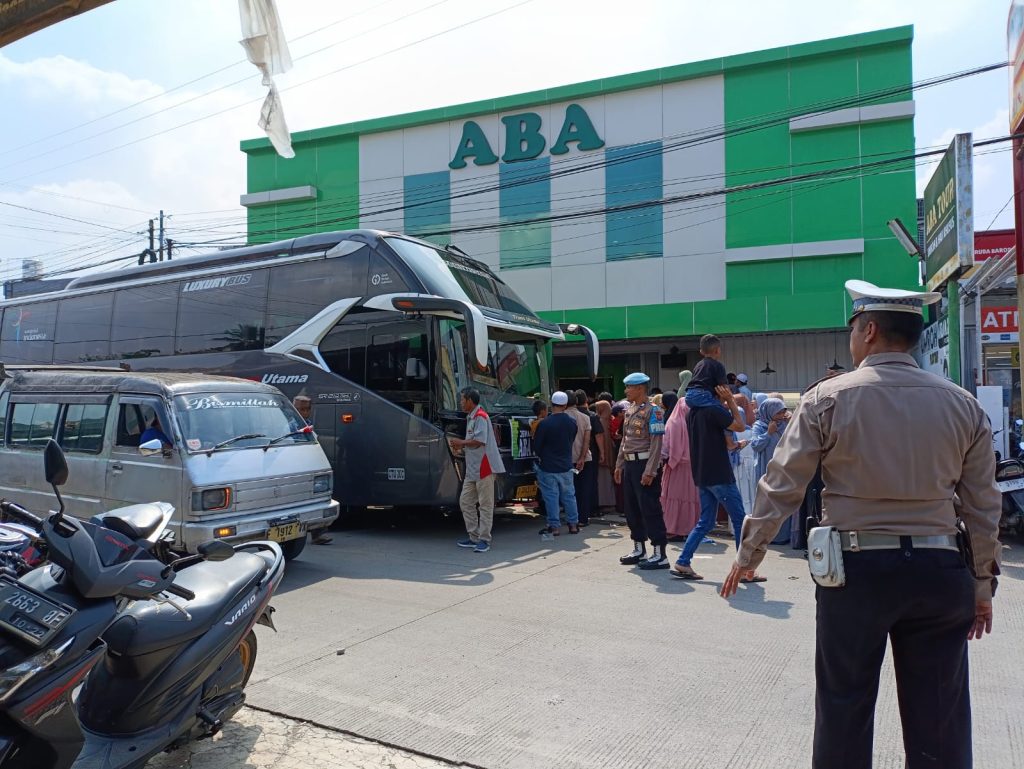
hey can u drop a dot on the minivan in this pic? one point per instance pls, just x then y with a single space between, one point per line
234 457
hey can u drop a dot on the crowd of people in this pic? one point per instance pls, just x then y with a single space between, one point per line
668 461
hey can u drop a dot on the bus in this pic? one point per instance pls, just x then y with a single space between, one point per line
380 330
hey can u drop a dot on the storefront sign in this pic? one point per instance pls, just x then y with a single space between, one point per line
999 325
992 244
933 350
1015 50
949 215
523 139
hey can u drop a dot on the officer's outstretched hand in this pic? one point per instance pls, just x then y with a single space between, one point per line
982 620
646 480
618 475
732 580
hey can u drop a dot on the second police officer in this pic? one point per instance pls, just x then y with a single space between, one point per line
638 469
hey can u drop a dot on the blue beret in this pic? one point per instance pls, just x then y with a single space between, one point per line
636 379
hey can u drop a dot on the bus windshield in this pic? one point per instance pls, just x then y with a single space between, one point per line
456 277
518 370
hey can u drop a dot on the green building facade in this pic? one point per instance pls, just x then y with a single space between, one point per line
733 196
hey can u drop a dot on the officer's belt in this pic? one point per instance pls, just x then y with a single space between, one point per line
855 541
638 456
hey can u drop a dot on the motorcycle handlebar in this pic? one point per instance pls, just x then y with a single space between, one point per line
181 592
21 514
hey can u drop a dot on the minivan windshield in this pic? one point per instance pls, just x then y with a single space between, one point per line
238 420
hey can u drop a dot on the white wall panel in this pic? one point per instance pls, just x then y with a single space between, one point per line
635 281
578 241
578 287
426 148
379 194
696 278
532 284
381 156
632 116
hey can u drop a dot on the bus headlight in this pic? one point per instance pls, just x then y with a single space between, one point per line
212 499
322 484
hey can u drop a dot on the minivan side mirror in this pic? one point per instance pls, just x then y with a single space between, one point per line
215 550
151 448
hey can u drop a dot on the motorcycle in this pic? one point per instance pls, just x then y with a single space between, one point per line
157 653
1010 481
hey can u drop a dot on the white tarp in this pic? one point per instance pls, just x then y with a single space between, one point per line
265 45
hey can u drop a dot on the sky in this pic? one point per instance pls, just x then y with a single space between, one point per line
140 105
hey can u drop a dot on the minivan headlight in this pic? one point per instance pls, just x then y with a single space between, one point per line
322 483
212 499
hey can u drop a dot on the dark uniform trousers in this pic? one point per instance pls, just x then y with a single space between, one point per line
643 504
923 602
585 484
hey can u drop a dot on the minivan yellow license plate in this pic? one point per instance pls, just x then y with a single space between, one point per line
285 532
526 492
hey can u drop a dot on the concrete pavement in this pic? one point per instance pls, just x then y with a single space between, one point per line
551 654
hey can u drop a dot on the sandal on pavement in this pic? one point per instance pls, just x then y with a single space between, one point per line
684 573
755 578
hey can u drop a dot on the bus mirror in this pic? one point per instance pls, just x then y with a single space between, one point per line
415 369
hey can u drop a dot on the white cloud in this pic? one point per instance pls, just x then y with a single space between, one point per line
60 76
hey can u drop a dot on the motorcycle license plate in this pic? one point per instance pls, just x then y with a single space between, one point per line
285 532
29 614
528 491
1012 485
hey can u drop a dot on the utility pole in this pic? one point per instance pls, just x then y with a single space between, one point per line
151 236
161 235
170 248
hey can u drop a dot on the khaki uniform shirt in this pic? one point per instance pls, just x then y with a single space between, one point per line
580 446
902 452
637 435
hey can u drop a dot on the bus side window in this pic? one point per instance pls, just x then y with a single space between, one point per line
27 334
398 363
144 320
344 350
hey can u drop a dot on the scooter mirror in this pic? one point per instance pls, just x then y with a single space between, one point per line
54 464
215 550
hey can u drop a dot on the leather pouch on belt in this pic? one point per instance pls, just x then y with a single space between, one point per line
825 556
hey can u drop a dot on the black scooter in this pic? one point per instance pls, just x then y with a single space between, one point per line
1010 481
158 654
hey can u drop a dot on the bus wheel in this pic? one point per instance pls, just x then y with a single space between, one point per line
293 547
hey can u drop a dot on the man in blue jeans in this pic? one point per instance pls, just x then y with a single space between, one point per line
553 444
713 476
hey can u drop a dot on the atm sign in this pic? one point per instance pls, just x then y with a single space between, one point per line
999 320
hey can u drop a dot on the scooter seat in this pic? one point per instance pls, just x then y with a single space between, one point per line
146 626
134 521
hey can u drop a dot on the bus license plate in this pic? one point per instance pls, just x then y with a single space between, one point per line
29 614
285 532
529 491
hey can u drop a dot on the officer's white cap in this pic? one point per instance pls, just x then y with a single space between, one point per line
559 398
636 378
868 297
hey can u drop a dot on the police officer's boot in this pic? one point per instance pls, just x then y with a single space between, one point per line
658 559
639 551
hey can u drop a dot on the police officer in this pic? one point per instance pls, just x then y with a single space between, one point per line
903 452
638 467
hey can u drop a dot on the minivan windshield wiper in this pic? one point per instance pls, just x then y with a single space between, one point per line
237 438
303 431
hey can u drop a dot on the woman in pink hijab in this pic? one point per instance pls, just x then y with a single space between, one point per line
680 502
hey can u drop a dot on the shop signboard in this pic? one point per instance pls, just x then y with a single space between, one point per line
933 350
999 325
1015 51
992 244
949 215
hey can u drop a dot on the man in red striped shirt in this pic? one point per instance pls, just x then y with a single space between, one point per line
483 461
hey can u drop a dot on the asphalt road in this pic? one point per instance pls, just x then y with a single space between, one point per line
539 655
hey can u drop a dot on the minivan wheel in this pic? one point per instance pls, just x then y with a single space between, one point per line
293 547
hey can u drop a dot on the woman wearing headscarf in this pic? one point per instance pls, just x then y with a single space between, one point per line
605 481
772 418
668 402
680 502
684 379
